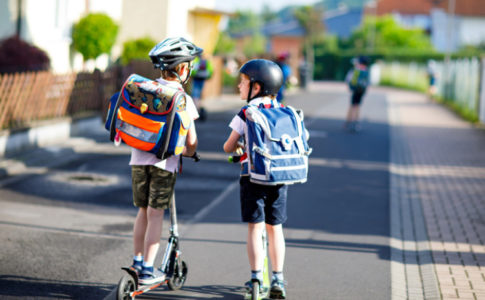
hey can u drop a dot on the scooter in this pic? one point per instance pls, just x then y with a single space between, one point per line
172 265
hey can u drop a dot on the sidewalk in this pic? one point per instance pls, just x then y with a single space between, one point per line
437 201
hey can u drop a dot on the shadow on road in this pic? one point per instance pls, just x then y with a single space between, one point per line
24 286
204 292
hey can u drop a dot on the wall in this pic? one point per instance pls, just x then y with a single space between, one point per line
293 45
472 31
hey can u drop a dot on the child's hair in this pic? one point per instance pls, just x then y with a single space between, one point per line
256 82
169 74
264 72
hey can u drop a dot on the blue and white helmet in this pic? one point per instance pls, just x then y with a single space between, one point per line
173 51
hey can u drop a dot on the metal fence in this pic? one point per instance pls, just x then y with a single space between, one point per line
458 81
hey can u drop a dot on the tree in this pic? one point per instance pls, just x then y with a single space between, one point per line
247 25
136 49
255 45
310 18
244 22
94 35
224 45
385 34
17 55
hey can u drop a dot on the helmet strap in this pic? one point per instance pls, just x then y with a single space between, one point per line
180 79
250 91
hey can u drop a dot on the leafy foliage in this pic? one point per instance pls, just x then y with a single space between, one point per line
136 49
225 45
310 18
255 45
94 35
19 56
385 34
244 22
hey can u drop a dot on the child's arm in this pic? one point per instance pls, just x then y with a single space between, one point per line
191 141
231 145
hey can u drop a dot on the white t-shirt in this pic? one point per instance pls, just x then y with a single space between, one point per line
238 123
143 158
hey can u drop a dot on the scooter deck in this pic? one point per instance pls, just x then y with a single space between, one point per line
142 288
145 288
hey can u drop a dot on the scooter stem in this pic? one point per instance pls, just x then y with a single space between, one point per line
173 218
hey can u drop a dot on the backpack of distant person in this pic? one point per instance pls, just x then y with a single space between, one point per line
149 116
359 80
202 70
278 144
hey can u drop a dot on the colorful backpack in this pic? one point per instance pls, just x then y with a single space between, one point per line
359 80
149 116
277 143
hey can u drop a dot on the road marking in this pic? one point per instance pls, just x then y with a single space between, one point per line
207 209
318 134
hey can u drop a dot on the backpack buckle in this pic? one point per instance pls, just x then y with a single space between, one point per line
286 141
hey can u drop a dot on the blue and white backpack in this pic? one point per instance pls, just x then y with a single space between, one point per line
277 143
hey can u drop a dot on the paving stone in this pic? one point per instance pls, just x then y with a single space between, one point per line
441 191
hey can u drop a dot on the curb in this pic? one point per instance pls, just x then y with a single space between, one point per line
44 134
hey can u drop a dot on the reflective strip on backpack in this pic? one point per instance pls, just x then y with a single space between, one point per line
288 168
138 133
274 157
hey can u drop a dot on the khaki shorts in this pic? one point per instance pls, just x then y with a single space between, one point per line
152 186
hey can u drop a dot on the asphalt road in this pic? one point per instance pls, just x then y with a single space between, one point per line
66 218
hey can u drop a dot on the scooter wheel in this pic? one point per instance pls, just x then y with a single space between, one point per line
179 276
255 290
125 287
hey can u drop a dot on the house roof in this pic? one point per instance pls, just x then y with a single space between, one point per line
342 22
424 7
281 28
339 22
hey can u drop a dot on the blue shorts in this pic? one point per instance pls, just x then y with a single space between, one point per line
262 202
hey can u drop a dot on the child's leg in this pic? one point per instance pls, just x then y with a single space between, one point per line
355 113
153 233
255 246
276 247
139 232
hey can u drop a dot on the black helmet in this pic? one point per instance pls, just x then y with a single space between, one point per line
364 60
173 51
266 73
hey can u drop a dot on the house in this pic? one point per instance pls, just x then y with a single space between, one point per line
451 24
47 24
287 35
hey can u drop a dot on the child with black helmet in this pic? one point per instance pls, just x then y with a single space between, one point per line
358 80
261 205
153 180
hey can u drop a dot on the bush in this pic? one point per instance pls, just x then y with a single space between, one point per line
94 35
19 56
334 66
136 49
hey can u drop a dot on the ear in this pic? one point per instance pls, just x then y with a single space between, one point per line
256 88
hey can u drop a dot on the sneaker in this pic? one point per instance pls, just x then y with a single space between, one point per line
277 290
137 266
356 127
151 276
